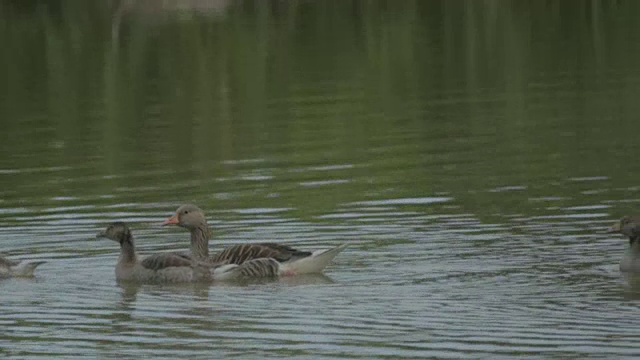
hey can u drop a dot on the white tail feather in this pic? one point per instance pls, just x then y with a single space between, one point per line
311 264
25 269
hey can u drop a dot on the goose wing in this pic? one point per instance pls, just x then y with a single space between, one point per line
251 269
162 261
239 254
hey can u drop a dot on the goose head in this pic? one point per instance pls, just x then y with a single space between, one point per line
187 216
624 226
117 231
628 226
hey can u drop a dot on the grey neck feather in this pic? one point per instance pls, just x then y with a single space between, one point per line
634 244
127 249
200 242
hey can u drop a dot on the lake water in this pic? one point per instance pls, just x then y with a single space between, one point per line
471 152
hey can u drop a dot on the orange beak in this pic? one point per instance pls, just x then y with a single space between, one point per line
171 221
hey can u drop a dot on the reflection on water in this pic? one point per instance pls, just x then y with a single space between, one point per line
472 154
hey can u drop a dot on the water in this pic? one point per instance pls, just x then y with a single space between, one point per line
471 153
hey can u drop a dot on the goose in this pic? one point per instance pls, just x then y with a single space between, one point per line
248 260
13 268
157 268
629 226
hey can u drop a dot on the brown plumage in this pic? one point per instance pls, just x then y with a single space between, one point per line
266 259
238 254
156 268
629 226
192 218
161 261
259 268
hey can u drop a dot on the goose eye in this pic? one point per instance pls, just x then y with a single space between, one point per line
186 212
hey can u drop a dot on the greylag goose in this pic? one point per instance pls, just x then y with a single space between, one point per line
629 226
157 268
249 260
12 268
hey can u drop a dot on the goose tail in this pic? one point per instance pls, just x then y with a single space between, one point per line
26 268
311 264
